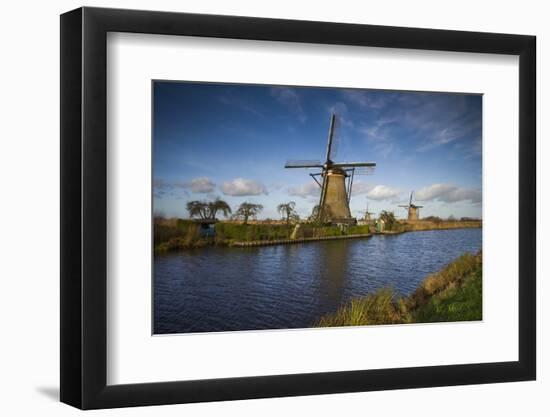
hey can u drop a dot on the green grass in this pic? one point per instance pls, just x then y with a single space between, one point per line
454 304
325 231
311 230
358 230
452 294
250 232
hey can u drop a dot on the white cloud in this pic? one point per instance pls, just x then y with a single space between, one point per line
198 185
162 187
306 190
448 193
373 192
243 187
360 187
383 192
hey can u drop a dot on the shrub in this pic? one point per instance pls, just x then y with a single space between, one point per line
358 230
326 231
249 232
377 308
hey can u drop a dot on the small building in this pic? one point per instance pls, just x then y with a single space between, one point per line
207 227
380 225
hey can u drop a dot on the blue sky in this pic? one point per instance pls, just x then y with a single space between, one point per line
232 141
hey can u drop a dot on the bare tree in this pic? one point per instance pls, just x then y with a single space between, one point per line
207 210
198 209
318 217
288 211
314 216
247 210
218 205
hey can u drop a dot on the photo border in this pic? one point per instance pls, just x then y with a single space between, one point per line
84 207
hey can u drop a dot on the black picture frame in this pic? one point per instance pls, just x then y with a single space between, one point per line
84 207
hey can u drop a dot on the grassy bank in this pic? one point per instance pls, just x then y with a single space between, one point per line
421 225
178 234
175 234
452 294
440 225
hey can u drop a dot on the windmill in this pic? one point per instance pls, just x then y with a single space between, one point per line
335 181
368 214
412 210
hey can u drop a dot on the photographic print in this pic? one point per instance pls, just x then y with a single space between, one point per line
285 207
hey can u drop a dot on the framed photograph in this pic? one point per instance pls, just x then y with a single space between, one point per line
256 208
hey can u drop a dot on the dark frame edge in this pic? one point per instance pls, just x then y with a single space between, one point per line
70 213
233 389
528 206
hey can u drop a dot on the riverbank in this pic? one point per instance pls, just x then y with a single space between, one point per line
452 294
441 225
297 240
424 225
179 234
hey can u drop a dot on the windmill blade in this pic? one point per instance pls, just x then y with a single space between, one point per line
362 170
336 137
354 164
330 136
303 164
411 200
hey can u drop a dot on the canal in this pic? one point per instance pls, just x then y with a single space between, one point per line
292 286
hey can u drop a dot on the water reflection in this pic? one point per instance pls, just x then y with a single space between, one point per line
332 259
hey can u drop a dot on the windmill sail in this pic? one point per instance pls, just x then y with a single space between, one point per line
353 164
330 136
304 163
336 137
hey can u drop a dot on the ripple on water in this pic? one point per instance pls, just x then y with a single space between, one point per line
291 286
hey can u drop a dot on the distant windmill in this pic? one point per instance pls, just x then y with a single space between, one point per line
412 209
335 193
368 214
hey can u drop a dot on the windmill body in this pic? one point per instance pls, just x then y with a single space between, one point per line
335 181
413 214
413 211
336 206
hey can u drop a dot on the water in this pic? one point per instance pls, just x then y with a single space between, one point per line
292 286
